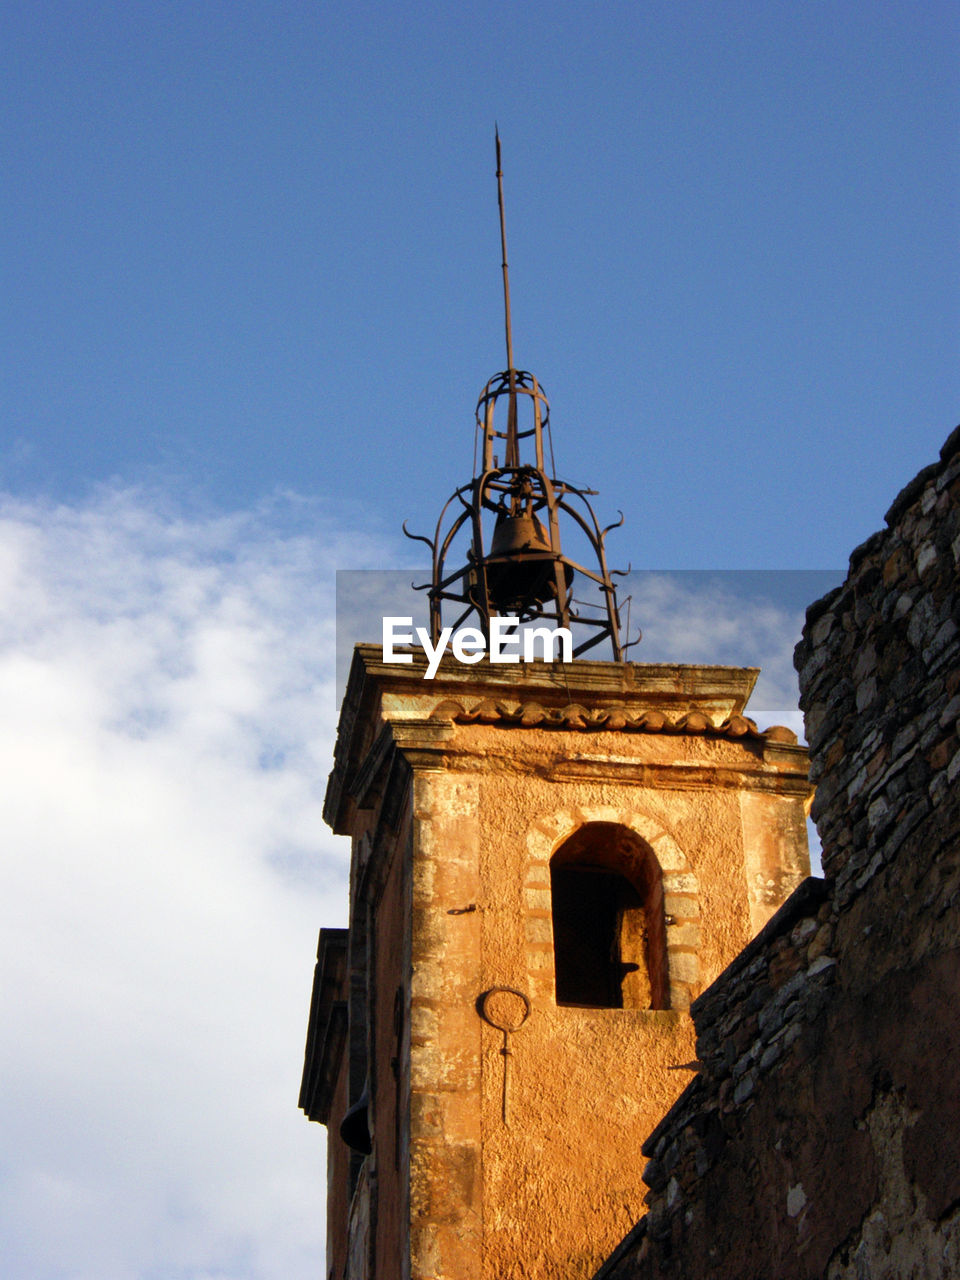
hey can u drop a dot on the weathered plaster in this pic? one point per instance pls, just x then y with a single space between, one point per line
498 1191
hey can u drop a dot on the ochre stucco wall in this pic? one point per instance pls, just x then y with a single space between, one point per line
389 998
458 792
550 1193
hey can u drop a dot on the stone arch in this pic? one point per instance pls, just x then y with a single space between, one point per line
676 878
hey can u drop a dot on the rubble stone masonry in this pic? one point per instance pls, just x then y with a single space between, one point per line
821 1136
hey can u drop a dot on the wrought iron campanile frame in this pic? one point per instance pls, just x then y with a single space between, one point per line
520 570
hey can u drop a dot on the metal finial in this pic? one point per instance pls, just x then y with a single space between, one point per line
512 453
503 250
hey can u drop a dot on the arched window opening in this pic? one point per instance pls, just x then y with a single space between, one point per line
608 923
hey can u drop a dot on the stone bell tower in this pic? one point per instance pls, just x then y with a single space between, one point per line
550 860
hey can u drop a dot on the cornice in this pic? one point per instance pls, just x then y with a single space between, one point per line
619 719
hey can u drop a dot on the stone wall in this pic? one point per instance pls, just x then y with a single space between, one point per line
821 1137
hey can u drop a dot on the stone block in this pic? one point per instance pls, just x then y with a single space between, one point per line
538 929
684 966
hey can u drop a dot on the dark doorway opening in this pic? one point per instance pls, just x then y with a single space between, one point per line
608 925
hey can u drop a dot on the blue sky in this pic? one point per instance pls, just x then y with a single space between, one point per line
250 256
253 246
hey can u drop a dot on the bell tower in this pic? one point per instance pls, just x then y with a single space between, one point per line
550 861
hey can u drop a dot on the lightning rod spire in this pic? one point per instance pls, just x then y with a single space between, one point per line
503 250
512 443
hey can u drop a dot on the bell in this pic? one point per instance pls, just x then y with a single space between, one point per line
512 535
519 572
355 1125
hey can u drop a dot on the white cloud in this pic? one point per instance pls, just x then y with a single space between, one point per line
168 709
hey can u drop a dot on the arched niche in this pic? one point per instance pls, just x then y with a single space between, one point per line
609 928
